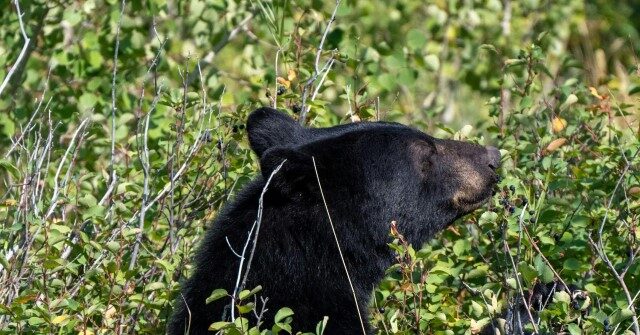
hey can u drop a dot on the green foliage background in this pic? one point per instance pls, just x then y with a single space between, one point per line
553 83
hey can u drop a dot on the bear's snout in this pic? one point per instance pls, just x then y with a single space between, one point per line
494 156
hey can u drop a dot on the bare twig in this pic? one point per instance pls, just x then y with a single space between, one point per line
26 129
515 273
186 305
506 18
144 153
324 36
317 69
30 193
599 248
231 247
23 52
113 177
484 300
335 236
275 89
240 285
535 246
167 188
209 57
144 160
154 62
263 309
56 185
324 76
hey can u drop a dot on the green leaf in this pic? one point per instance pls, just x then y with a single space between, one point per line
574 329
244 309
528 272
526 103
87 101
477 308
514 62
512 282
34 321
165 265
60 228
243 294
217 294
387 81
88 200
94 212
220 325
71 16
478 271
95 59
416 39
487 218
489 47
241 323
546 240
322 325
460 246
282 314
620 316
155 286
432 62
255 290
562 296
9 167
571 264
544 271
60 319
113 246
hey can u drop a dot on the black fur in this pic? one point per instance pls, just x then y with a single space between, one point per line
371 174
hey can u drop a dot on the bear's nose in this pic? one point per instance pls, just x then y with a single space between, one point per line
494 157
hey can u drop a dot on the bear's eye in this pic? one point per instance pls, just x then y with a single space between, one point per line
430 149
425 167
421 153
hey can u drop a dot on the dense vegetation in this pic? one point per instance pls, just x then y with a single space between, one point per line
122 135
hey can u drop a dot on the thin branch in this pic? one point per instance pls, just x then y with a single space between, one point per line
324 76
231 248
317 70
324 36
56 186
515 273
26 129
113 177
208 59
23 52
275 89
506 18
240 286
144 160
335 236
599 248
535 246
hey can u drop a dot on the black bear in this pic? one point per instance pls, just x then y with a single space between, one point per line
370 174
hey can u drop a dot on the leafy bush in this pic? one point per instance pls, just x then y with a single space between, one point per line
567 209
123 135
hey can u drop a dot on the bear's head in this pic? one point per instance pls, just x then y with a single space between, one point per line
375 172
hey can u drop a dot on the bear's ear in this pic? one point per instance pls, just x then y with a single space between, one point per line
420 154
296 173
270 128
